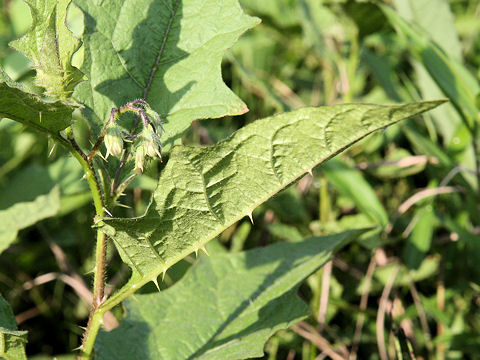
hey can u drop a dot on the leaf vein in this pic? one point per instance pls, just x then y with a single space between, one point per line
162 48
205 192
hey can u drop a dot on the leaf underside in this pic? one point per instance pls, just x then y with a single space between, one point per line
169 54
226 307
203 191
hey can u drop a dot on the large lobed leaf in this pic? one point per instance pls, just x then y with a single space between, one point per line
12 341
18 104
51 45
169 54
202 191
226 307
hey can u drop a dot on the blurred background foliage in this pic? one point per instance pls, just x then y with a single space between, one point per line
412 282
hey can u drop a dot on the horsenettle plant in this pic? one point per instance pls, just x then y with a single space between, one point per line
160 61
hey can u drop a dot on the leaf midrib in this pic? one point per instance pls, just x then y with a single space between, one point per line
161 50
152 275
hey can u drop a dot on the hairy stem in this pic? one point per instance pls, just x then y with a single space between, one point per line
96 316
95 319
94 322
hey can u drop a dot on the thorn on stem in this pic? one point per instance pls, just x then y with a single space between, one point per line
123 205
251 217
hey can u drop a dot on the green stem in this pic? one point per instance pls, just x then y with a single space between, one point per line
97 311
89 172
96 314
94 322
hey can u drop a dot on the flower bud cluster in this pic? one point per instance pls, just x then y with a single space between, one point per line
148 143
145 144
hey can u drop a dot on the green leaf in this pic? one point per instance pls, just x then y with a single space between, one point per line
282 12
212 323
420 239
28 198
29 109
169 54
12 341
285 232
351 183
451 76
440 26
50 45
203 191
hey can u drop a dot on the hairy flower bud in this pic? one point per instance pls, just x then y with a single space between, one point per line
113 140
155 119
151 143
139 158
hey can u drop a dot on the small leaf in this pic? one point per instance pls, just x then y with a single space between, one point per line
203 191
29 109
12 341
210 321
51 45
168 54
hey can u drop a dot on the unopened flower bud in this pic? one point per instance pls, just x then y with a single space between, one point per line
113 140
139 159
156 120
151 142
